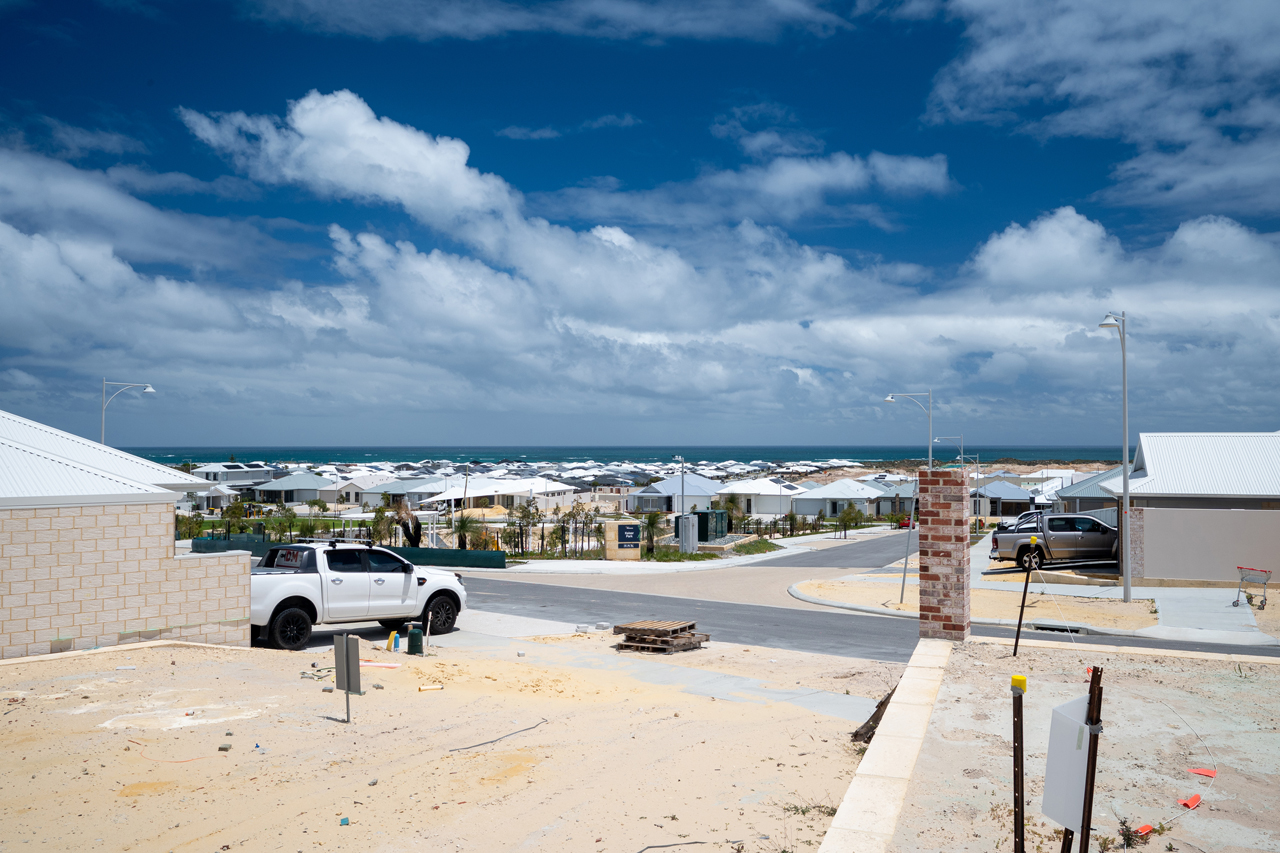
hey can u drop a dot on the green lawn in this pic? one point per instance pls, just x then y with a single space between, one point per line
667 554
758 546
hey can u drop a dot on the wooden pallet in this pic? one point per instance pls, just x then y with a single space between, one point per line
684 646
677 640
664 645
650 628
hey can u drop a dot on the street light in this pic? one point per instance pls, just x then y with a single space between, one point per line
1111 321
893 398
146 389
680 459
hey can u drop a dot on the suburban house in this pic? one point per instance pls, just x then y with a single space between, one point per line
348 491
215 497
1203 503
833 498
469 493
765 496
1087 495
664 496
87 550
235 472
1001 499
413 492
297 488
898 499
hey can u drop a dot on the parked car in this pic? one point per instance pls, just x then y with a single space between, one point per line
1005 525
1059 538
297 586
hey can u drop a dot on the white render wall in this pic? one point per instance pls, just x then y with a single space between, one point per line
1203 544
86 576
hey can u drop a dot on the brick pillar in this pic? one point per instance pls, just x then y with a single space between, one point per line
944 555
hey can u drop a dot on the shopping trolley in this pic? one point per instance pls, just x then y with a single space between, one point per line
1253 576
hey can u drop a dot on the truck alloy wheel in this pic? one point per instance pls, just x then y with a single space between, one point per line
1030 559
443 614
291 629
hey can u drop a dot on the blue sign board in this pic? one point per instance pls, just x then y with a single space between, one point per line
628 536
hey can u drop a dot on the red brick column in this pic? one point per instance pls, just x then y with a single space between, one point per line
944 555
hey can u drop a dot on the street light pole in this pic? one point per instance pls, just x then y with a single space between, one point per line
1111 321
893 398
125 386
680 459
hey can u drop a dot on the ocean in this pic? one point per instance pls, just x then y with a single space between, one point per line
606 455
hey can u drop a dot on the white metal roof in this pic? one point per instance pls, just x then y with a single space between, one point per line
36 478
481 487
95 455
303 480
843 490
694 484
763 486
1204 464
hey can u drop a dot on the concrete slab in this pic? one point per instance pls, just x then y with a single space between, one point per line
1206 609
502 625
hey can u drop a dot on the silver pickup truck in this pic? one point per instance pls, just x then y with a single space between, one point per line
300 585
1059 538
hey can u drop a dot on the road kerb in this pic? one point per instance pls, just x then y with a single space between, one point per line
1127 650
868 814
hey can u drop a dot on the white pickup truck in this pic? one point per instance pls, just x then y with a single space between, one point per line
300 585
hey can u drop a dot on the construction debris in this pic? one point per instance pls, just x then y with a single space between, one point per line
660 637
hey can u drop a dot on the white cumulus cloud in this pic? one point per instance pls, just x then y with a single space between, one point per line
1190 84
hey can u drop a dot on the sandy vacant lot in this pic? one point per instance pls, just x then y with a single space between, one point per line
97 757
779 668
994 604
1161 715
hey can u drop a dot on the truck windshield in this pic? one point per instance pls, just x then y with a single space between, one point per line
287 560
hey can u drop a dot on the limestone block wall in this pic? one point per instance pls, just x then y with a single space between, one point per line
91 576
944 555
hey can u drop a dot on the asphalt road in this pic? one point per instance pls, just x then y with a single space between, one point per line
832 633
870 553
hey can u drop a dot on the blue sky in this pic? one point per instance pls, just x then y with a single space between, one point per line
610 221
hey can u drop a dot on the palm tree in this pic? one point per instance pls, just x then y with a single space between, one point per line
652 527
732 504
464 527
409 525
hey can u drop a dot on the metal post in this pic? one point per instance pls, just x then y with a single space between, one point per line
1026 583
902 593
930 429
1019 687
1094 721
103 440
1124 469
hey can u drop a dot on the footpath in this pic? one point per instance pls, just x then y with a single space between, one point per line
1191 614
